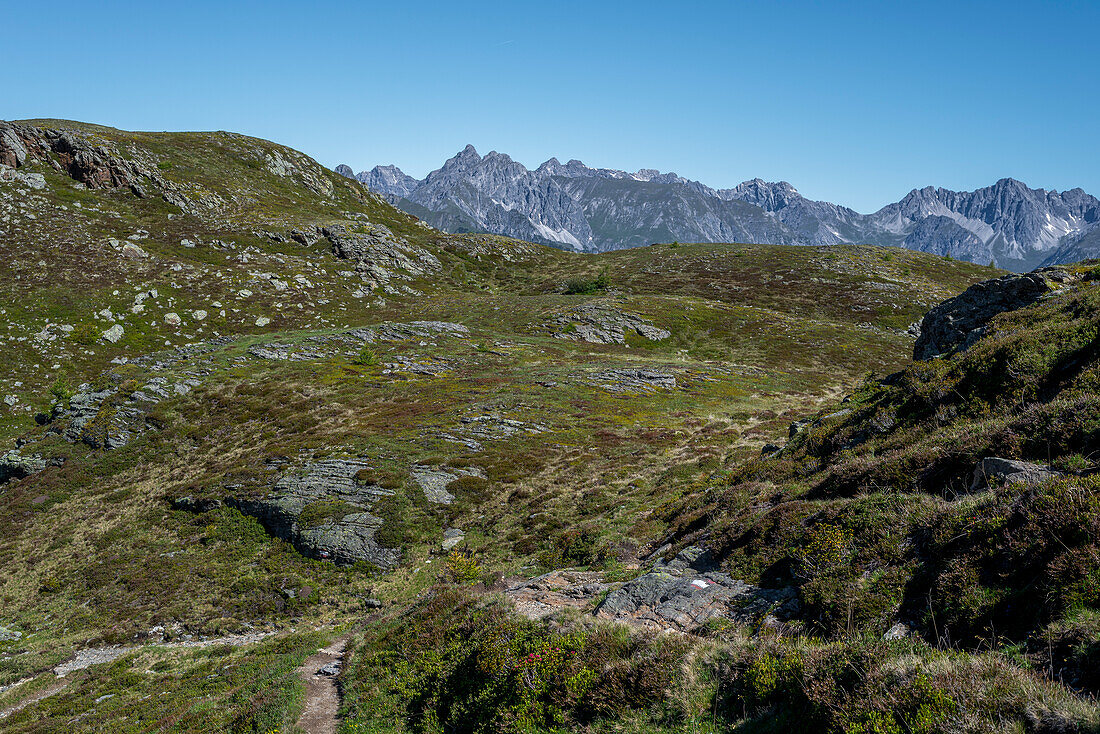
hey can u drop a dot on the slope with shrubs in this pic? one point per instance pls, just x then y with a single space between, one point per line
932 601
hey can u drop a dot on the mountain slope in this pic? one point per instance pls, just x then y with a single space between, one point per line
255 408
1009 223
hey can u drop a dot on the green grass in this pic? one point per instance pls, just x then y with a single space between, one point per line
213 689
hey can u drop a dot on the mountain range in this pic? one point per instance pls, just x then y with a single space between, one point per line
574 206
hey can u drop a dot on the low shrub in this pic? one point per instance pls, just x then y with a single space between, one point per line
587 286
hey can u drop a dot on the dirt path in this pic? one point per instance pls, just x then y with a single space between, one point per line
322 696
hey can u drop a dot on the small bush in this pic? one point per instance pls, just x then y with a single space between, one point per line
462 567
61 391
367 357
85 334
587 286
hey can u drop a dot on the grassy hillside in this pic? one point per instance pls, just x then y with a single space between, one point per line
579 411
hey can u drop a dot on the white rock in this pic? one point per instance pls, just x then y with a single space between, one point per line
198 314
172 319
114 333
263 321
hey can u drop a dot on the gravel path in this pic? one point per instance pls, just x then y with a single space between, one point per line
322 694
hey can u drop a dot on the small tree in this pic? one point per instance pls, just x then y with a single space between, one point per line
61 390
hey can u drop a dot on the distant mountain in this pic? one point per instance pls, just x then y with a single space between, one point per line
595 209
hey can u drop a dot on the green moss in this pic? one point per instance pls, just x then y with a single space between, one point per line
325 512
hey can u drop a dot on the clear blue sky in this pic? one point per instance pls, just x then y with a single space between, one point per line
854 102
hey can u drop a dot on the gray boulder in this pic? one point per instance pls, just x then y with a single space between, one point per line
994 471
798 426
452 538
329 669
957 323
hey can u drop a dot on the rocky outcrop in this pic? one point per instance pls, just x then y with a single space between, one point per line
685 595
434 481
13 151
958 323
323 510
997 472
378 254
107 419
633 380
89 163
30 180
349 343
598 324
16 465
551 592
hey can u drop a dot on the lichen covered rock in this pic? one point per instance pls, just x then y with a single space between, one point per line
958 323
323 509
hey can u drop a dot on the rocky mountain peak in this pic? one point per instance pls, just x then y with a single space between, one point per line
464 159
493 157
388 180
770 196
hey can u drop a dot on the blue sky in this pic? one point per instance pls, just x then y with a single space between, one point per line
851 102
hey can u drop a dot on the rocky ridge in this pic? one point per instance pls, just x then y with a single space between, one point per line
589 209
